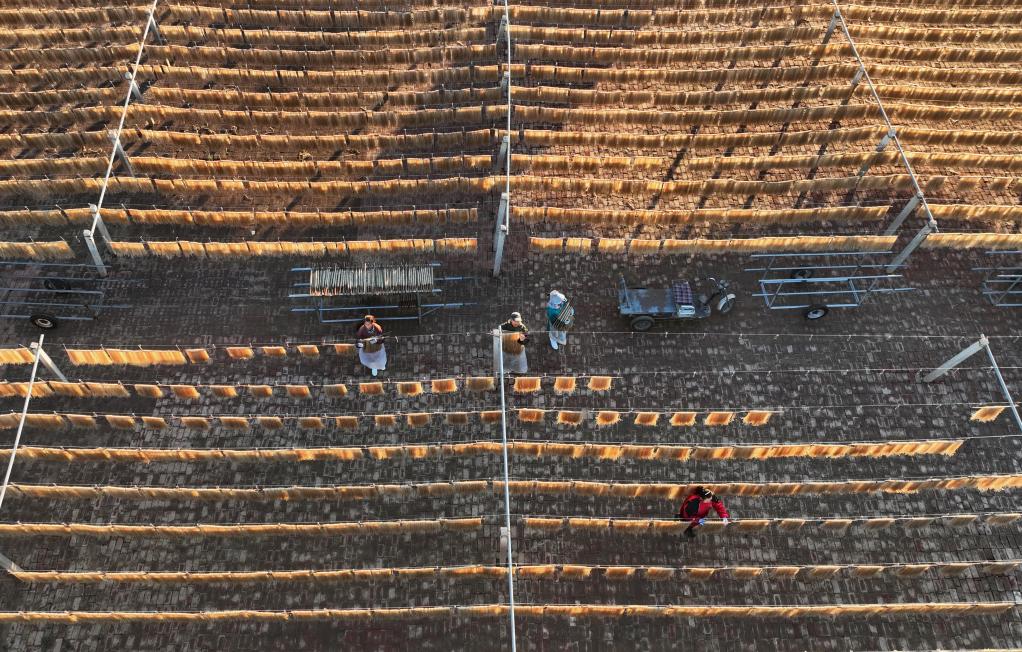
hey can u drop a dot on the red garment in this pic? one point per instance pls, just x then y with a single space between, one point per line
703 509
374 330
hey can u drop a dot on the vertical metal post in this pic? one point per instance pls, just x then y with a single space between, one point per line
119 150
502 30
856 80
499 348
501 233
47 362
21 422
499 164
1004 386
830 28
155 28
98 223
909 208
136 92
928 228
97 260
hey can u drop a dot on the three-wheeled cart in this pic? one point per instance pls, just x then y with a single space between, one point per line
645 306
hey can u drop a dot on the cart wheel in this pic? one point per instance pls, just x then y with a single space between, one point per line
642 323
726 303
44 322
802 274
816 311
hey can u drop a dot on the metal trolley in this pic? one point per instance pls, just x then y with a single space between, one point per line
47 294
1002 280
340 295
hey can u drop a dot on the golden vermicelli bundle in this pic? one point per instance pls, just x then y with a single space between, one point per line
122 422
224 391
344 349
527 385
298 391
234 423
274 351
385 420
240 353
647 418
456 418
184 391
600 383
757 417
82 420
683 419
719 418
987 414
418 419
197 355
198 423
490 416
371 389
564 384
530 416
607 417
154 423
409 389
346 423
260 391
335 391
148 391
444 386
271 423
480 383
569 418
311 423
308 350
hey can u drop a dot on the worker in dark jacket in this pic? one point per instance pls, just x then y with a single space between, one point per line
697 506
515 334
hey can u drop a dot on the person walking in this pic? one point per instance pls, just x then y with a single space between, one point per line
514 335
560 316
696 507
371 352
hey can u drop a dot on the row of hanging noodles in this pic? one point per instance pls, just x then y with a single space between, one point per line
538 611
269 57
973 240
55 421
620 490
641 246
329 19
87 389
828 525
670 452
553 572
583 216
833 526
245 249
142 357
321 100
328 79
358 528
192 167
54 250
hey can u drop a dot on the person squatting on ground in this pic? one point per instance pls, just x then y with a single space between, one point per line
697 506
514 335
371 351
560 316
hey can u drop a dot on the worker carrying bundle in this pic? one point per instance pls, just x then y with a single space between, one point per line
560 317
514 334
697 506
371 352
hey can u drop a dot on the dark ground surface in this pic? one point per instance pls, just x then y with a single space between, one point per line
850 377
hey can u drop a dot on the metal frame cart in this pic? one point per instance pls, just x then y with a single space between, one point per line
817 282
47 294
390 293
1002 282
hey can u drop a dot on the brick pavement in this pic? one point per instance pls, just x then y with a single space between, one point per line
710 368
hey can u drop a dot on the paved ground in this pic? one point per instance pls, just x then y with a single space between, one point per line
831 383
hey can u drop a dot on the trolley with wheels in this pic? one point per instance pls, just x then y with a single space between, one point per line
48 294
643 307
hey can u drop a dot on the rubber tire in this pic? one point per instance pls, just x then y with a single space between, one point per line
44 322
642 323
725 304
802 274
816 312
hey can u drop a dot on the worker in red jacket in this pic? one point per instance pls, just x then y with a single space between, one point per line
697 506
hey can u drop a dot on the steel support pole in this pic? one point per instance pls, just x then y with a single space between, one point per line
909 208
956 360
830 28
881 146
98 223
900 259
499 164
47 362
154 27
502 30
21 422
119 150
498 345
136 92
1004 386
97 260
